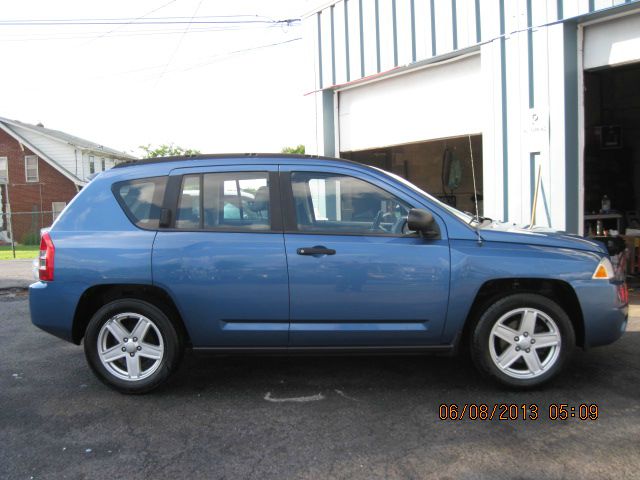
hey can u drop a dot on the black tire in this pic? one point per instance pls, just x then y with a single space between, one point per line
485 346
168 341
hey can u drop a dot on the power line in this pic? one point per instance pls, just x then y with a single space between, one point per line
137 18
13 23
128 19
195 12
36 37
209 60
217 57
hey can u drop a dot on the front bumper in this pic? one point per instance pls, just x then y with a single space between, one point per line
604 312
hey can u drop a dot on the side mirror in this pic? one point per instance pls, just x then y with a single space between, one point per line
422 222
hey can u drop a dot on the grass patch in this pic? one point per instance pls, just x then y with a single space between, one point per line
22 251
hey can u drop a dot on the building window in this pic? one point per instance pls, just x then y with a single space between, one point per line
92 164
56 209
102 164
4 170
31 168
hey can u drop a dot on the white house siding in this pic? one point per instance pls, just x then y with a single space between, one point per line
530 68
61 153
73 159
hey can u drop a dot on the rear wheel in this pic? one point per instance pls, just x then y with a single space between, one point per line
132 345
522 340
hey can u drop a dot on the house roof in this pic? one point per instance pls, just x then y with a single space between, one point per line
67 138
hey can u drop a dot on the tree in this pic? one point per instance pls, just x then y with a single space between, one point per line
299 149
165 150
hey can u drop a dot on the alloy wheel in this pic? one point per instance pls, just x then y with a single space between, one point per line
130 346
525 343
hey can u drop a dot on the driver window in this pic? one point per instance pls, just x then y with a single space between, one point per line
340 204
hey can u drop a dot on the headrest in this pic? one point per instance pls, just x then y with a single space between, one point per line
261 200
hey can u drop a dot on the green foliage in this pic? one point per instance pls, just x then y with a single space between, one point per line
299 150
30 238
165 150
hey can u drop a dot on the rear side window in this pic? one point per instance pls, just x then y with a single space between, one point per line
142 200
237 201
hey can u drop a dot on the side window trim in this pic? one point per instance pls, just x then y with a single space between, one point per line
170 203
172 198
288 211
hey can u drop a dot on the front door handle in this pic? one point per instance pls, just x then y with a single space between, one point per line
318 250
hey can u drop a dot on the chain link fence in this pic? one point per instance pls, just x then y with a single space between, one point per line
23 228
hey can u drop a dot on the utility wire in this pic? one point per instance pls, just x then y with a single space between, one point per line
195 12
217 57
209 60
14 23
137 18
130 19
136 33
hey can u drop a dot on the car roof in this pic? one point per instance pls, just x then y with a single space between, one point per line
194 160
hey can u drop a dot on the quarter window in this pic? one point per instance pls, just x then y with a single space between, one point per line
142 200
237 201
339 204
31 168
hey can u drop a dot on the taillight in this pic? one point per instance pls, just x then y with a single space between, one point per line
47 252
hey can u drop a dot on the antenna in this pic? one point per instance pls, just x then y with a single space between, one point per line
473 175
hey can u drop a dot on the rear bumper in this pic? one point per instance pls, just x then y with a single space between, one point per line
605 314
53 307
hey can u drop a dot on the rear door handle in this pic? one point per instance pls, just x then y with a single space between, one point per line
316 251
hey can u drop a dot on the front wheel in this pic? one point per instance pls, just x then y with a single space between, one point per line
132 346
522 340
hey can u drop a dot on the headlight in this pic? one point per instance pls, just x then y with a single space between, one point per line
604 270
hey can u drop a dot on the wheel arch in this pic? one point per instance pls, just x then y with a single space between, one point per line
557 290
95 297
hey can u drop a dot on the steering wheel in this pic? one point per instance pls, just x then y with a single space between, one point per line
377 222
401 226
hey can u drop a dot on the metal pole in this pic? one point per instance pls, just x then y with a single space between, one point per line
535 199
10 221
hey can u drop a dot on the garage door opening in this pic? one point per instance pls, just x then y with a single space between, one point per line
440 167
612 150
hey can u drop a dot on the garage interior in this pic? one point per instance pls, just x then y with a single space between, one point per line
440 167
612 150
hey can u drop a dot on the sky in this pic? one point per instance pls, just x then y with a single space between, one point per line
199 86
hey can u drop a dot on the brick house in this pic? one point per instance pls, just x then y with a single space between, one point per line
41 170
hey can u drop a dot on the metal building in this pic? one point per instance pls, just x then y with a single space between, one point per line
420 87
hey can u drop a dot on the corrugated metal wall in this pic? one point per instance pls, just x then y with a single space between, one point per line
359 38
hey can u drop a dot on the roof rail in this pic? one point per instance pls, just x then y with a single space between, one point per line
220 156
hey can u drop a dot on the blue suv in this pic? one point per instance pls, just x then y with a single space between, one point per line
276 253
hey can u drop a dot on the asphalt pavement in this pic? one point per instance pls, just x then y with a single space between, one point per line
16 273
306 417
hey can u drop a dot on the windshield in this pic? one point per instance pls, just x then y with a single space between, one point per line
466 218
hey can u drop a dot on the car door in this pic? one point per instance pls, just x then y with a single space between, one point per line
356 276
222 256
